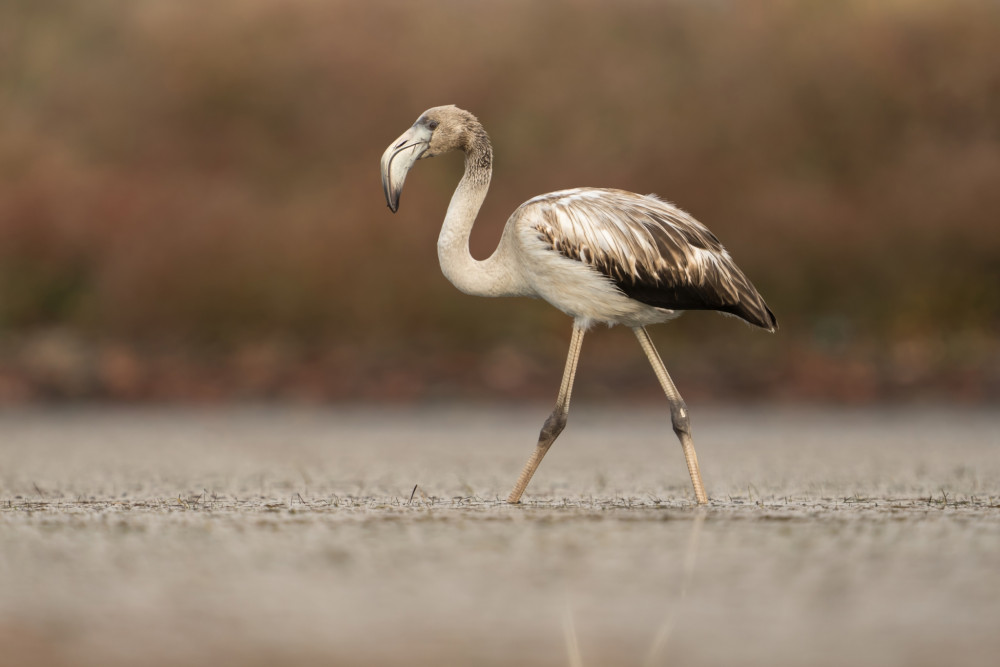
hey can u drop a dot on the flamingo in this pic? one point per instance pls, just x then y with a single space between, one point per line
599 255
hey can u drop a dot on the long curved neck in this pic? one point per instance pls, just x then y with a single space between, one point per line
495 276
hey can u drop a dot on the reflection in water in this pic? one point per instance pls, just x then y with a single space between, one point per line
657 648
574 657
690 558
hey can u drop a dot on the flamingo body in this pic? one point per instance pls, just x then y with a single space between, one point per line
616 257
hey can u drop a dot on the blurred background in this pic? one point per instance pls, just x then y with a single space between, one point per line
190 205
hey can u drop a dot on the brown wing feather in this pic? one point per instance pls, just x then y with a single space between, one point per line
651 250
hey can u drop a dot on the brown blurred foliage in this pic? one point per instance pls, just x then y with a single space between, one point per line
190 204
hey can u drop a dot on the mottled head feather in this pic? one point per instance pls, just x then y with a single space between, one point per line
456 129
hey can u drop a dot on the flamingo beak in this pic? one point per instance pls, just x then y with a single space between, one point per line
398 159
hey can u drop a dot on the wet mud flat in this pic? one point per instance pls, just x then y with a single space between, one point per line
264 535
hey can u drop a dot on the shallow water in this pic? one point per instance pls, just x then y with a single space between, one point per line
289 536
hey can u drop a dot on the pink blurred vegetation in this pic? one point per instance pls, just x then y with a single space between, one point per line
190 206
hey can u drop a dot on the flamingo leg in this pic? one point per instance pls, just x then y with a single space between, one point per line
556 422
678 413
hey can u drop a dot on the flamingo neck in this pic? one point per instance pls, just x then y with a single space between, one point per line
497 275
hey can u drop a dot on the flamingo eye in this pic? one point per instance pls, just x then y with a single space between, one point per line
432 124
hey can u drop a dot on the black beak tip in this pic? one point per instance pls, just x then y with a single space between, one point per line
392 200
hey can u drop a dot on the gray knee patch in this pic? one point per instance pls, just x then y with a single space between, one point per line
679 418
553 426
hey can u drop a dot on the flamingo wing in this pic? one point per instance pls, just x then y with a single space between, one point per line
651 250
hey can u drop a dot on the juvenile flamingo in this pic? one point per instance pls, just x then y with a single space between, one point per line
599 255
